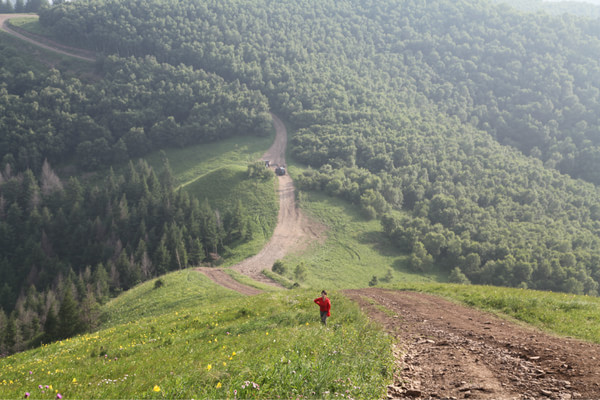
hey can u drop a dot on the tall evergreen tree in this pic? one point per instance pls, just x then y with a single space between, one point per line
69 321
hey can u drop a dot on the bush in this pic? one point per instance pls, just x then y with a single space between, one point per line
158 283
456 276
279 267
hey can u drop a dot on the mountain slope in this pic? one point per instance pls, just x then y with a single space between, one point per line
428 108
199 340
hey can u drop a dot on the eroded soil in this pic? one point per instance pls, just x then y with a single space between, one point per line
445 350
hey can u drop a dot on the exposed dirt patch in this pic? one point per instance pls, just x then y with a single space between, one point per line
218 275
445 350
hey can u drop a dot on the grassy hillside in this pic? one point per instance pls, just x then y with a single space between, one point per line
559 313
353 251
217 345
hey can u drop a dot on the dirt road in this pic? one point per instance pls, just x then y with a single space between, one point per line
445 350
293 231
43 42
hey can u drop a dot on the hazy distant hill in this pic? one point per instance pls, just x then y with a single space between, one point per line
588 8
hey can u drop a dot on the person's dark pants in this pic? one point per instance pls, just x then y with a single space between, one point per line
324 317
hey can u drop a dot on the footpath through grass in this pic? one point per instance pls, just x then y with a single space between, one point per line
559 313
266 346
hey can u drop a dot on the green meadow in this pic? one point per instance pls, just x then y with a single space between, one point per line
211 345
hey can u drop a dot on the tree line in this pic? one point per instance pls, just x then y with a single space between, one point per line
66 248
22 6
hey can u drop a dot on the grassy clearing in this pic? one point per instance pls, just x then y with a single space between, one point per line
354 251
193 162
266 346
224 187
181 289
30 24
559 313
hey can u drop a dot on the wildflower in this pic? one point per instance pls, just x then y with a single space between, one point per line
209 367
59 396
219 385
233 354
40 387
267 333
30 372
156 388
26 395
74 380
224 363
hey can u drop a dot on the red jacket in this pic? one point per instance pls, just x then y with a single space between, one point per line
324 305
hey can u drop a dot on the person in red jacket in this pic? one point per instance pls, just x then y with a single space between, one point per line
324 306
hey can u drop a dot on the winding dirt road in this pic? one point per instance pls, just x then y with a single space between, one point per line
42 41
445 350
293 231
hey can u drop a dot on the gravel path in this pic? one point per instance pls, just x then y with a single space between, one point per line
445 350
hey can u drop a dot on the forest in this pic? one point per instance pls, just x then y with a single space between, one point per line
469 129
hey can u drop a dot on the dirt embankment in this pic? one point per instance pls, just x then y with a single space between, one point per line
445 350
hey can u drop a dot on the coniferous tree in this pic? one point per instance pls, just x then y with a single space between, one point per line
69 321
10 333
19 6
51 326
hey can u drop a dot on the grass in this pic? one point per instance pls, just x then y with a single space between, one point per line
355 249
192 163
224 187
30 24
266 346
181 289
559 313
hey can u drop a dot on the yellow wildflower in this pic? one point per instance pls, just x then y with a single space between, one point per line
156 388
219 385
209 367
74 380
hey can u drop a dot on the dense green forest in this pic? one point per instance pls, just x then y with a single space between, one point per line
468 129
139 105
464 115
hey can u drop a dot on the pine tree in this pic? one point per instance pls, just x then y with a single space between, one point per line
90 312
10 333
100 279
51 326
69 322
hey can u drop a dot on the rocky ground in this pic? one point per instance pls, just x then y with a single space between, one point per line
447 351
